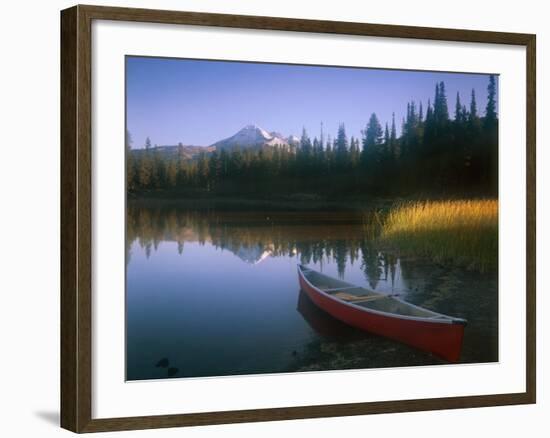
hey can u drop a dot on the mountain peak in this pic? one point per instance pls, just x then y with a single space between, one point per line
251 128
251 136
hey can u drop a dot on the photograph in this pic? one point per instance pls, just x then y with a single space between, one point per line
285 218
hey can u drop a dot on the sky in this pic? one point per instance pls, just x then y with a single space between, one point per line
198 102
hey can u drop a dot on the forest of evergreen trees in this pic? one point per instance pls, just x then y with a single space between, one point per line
435 153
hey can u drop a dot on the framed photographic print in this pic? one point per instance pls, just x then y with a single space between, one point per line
268 218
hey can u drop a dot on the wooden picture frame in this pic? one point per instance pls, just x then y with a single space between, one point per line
76 217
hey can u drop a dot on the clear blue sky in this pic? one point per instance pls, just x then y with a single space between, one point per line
200 102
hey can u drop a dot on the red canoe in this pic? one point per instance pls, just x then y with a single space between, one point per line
385 315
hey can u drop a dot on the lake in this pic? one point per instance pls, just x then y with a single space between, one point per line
214 293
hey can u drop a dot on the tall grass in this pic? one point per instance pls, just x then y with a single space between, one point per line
463 232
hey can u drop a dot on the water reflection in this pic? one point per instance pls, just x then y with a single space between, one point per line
322 323
216 293
317 238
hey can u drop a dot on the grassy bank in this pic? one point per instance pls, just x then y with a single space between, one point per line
458 231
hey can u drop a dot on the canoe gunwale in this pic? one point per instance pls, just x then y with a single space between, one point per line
445 319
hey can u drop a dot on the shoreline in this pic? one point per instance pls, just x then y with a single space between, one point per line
298 202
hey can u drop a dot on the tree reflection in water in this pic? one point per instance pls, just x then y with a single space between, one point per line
316 237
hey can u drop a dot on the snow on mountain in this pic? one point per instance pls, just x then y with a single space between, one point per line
254 254
251 136
276 134
293 140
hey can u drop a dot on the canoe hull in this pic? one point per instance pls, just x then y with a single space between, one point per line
441 339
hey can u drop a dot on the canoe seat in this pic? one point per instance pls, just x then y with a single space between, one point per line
357 298
334 289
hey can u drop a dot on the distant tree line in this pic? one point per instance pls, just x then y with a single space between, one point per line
433 153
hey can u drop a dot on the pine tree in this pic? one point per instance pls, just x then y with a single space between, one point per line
490 138
145 170
473 106
373 133
393 138
202 170
329 146
385 153
436 110
473 119
131 170
458 109
305 144
315 146
128 140
393 133
341 146
490 110
357 149
214 169
172 173
181 165
159 169
429 112
372 138
224 163
441 110
146 167
354 151
443 99
414 115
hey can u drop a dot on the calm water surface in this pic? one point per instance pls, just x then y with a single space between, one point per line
212 293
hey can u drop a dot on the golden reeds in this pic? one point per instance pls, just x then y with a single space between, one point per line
464 232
